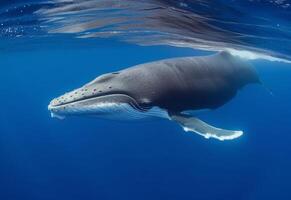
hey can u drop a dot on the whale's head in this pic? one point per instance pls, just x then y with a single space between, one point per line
105 97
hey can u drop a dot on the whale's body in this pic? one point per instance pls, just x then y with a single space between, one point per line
167 88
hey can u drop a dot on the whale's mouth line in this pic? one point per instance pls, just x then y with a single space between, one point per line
133 101
88 98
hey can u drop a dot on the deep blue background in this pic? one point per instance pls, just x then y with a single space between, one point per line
85 158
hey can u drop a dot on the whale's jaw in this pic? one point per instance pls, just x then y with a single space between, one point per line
107 107
94 105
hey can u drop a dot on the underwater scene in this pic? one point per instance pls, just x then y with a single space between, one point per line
145 99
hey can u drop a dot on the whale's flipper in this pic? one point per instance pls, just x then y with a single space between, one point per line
194 124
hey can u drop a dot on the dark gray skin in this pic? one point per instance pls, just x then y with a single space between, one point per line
175 85
185 83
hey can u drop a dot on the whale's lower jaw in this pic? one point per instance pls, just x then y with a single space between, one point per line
107 110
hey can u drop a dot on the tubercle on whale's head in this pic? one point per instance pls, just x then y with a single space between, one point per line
99 86
98 97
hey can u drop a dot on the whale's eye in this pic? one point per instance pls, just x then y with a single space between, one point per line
115 73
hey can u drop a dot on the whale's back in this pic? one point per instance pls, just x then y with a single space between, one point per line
187 83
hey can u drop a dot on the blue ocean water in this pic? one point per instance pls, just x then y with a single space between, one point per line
86 158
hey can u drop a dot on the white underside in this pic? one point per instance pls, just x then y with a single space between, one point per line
127 112
115 111
124 111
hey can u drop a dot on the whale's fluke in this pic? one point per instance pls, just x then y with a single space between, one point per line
194 124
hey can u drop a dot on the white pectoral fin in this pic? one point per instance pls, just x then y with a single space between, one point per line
196 125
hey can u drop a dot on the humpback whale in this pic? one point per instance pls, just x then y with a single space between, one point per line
169 89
